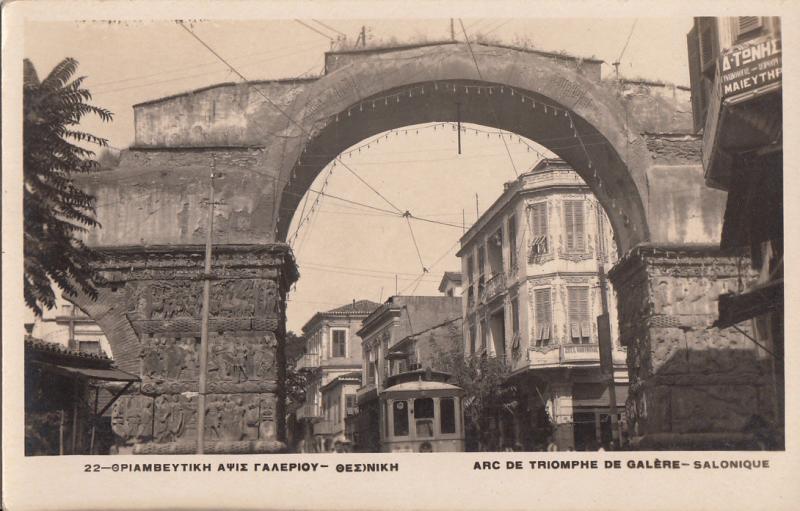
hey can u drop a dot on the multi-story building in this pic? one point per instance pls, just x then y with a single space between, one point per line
67 325
333 350
736 73
399 337
339 403
534 285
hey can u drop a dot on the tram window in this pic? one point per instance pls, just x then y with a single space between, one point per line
448 419
423 416
400 415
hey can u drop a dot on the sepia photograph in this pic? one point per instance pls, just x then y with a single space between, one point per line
287 236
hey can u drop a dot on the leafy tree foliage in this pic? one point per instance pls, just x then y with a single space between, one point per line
483 380
55 210
295 379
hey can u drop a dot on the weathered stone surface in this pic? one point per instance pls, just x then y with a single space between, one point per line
154 295
692 385
270 155
668 352
712 408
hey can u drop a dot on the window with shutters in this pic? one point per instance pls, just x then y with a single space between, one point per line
512 243
747 27
470 269
580 328
481 270
338 343
539 233
473 338
709 44
543 317
575 226
484 336
601 232
515 317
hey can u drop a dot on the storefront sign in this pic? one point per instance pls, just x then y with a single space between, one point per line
750 66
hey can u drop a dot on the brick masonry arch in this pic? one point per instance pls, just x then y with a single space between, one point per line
108 311
568 110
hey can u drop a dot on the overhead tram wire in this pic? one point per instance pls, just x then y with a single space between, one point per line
315 30
302 129
329 27
279 109
370 186
625 47
414 239
494 113
211 64
419 277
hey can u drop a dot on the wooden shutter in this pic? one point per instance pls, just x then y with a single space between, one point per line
709 44
580 225
539 228
746 25
543 314
512 241
575 225
696 79
578 298
569 222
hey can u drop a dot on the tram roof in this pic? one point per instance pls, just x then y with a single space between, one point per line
421 386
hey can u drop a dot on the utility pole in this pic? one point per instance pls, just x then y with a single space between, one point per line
604 331
458 124
201 391
363 36
477 209
452 30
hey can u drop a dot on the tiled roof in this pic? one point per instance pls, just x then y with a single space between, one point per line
455 276
358 307
59 349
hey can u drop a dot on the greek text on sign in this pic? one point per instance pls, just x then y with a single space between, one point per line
749 66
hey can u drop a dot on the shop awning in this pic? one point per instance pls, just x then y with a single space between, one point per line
596 395
110 374
735 308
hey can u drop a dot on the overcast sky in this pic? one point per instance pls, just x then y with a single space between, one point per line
346 252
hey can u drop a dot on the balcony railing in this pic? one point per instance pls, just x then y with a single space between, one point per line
565 354
494 287
545 355
580 353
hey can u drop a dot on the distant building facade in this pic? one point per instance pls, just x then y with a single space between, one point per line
534 284
333 350
339 403
402 335
451 284
67 325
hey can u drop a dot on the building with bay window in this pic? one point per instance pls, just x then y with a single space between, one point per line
533 269
332 355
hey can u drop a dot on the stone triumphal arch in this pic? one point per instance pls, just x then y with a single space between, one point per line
630 141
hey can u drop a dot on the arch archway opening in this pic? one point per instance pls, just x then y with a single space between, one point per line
523 113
